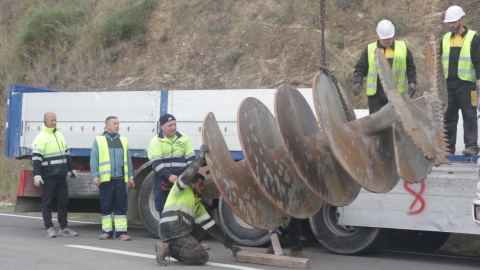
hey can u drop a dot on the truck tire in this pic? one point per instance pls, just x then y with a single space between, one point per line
242 233
347 240
416 241
146 205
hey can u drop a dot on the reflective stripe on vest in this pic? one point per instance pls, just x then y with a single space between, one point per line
54 149
466 71
104 166
399 67
184 202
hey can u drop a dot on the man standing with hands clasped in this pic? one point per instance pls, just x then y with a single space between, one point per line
111 167
51 164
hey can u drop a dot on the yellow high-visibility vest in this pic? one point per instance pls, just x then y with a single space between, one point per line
399 67
104 166
466 71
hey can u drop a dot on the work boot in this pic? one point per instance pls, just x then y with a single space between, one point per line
51 233
105 236
125 237
451 151
205 246
67 232
162 251
470 151
295 253
270 250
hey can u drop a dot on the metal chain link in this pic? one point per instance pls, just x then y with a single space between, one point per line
323 66
350 115
322 25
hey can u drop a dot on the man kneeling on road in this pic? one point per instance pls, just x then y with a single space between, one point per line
184 216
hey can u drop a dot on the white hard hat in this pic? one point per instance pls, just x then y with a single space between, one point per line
385 29
453 14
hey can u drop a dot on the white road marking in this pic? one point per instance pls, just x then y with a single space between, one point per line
128 252
136 254
431 254
69 221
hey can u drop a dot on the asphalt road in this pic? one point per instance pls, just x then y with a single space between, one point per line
23 245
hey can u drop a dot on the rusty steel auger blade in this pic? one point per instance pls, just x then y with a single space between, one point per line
267 159
308 151
365 152
436 84
424 130
235 183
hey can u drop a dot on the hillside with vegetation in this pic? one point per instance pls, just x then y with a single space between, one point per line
100 45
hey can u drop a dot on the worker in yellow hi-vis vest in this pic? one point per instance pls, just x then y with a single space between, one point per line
111 167
184 219
460 53
51 162
400 59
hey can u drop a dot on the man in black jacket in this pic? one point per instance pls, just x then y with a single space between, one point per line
460 53
400 59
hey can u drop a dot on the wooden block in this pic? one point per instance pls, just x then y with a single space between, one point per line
260 258
277 248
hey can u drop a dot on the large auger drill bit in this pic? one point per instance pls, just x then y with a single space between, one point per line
267 160
397 141
332 157
425 129
363 147
309 152
295 186
235 182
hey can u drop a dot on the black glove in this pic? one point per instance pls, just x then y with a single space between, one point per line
235 249
204 149
187 176
357 88
412 88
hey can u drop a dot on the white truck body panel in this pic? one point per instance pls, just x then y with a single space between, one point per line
81 115
445 204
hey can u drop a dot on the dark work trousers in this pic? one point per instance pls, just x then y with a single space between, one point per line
55 188
113 197
377 101
160 195
187 248
460 97
294 231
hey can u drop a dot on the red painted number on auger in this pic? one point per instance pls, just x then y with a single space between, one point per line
418 197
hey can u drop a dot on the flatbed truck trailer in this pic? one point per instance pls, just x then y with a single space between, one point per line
424 213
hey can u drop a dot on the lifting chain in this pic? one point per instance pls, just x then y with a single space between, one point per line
322 25
323 65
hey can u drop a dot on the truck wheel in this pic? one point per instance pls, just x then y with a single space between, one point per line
146 205
348 240
416 241
242 233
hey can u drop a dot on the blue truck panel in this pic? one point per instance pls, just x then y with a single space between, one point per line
14 117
